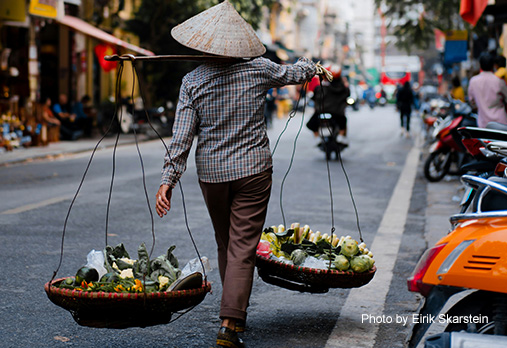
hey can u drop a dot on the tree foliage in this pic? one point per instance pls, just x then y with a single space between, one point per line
413 22
153 22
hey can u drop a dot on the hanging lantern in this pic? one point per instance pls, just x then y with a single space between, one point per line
102 50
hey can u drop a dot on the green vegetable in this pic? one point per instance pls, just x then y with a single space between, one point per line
165 265
349 247
87 274
110 277
142 266
171 258
112 255
298 256
360 264
341 263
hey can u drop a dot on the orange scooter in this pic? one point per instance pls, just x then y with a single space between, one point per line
468 267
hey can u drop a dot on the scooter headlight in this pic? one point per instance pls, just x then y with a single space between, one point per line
453 256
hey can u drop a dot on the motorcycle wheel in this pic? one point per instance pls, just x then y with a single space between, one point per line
479 304
437 165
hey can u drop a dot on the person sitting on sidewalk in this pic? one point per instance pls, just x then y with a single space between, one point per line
69 129
47 114
83 120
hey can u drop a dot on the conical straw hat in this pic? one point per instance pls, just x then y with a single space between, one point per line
220 30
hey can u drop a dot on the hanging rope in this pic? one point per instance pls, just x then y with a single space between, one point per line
118 79
323 73
141 93
331 131
293 112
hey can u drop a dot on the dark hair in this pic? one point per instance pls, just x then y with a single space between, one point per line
456 81
500 61
486 61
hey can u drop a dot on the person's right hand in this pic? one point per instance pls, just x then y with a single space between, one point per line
163 204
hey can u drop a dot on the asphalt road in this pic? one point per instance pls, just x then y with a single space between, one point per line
36 197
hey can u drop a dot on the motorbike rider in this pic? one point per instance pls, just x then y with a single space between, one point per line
331 97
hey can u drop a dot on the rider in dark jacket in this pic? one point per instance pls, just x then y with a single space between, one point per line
331 98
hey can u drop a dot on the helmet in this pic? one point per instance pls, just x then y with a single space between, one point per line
336 70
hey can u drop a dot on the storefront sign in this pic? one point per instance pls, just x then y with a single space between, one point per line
46 8
13 10
456 46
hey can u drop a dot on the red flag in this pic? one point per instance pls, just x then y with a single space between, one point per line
102 50
439 39
471 10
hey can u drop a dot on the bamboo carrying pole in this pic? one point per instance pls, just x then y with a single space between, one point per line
202 58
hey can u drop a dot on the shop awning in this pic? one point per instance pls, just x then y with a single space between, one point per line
88 29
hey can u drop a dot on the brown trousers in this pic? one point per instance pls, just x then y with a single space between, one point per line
238 211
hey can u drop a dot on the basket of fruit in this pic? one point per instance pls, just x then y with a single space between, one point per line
126 292
299 259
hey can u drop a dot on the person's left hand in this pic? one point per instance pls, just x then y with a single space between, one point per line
163 204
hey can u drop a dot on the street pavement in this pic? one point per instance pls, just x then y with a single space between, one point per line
437 200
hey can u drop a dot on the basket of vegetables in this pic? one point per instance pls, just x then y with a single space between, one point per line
301 260
129 293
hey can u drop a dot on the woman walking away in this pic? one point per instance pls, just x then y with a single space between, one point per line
404 101
223 104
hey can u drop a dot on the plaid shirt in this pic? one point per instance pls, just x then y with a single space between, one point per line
223 105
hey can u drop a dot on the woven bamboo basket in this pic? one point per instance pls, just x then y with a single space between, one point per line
306 279
121 310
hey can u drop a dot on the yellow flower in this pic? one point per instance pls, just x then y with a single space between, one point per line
119 288
138 286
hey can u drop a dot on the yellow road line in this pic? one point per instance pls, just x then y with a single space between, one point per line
32 206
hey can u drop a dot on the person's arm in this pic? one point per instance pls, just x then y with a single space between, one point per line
280 75
471 97
48 116
175 163
503 93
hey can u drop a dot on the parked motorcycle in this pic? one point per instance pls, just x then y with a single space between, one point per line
448 149
468 267
488 159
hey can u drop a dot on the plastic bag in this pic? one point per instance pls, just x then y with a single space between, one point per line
312 262
95 259
195 266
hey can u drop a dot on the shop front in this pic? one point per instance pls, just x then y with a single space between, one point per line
46 51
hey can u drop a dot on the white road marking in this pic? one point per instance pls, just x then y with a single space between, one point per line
32 206
351 328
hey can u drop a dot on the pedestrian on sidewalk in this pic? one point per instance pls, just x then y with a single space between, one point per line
223 104
404 101
488 93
